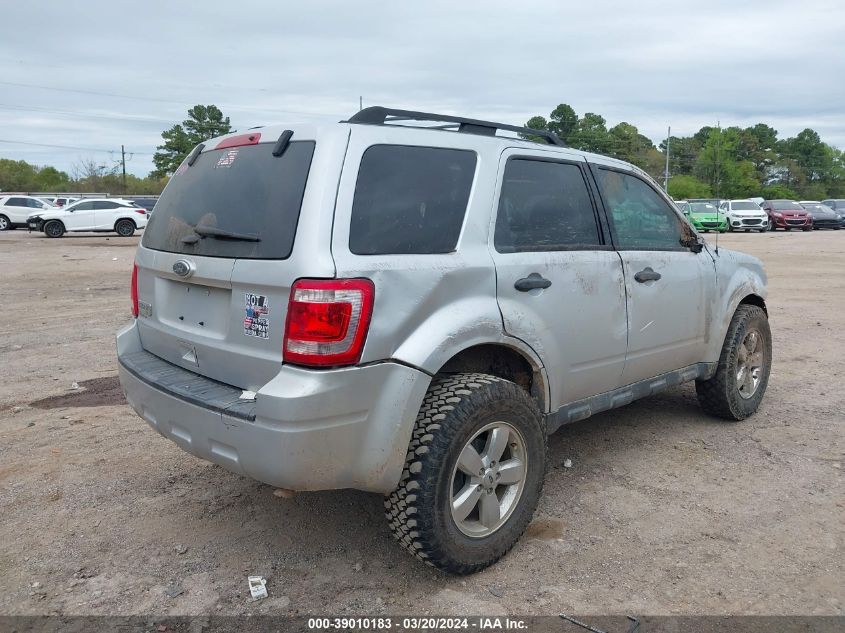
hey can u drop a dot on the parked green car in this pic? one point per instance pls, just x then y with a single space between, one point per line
705 216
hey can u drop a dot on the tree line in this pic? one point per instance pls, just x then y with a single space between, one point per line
731 162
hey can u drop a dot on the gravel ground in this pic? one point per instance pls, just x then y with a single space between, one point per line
664 510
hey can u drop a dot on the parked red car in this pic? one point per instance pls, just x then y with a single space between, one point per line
787 215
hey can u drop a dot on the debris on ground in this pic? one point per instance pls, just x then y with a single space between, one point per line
173 591
74 386
180 549
257 587
567 463
284 493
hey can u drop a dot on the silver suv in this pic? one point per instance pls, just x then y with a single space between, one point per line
408 303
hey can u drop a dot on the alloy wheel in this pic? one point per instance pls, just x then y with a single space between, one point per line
488 479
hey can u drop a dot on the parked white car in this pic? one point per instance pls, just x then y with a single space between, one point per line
745 215
60 201
15 210
92 214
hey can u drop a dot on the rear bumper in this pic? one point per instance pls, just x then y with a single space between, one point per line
306 430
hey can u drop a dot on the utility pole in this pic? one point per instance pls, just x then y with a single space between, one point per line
360 103
666 173
123 164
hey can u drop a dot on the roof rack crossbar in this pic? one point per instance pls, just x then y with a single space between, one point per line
378 115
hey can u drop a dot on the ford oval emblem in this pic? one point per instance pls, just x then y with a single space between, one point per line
184 268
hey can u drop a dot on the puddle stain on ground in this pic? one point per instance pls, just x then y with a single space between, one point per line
97 392
545 529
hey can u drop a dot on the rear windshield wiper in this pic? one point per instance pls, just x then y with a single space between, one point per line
209 231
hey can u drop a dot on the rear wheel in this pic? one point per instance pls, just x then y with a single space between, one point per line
473 474
737 388
124 228
5 225
54 228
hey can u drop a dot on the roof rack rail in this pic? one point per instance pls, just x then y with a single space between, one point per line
378 115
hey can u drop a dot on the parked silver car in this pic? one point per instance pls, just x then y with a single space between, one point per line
411 310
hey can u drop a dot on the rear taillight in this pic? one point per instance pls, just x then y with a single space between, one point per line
327 321
141 211
134 290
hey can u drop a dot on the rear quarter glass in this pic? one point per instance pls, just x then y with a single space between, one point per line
410 199
244 190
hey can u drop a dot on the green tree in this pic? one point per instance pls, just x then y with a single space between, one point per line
17 175
203 123
809 153
778 192
591 135
626 142
563 121
683 153
683 187
51 179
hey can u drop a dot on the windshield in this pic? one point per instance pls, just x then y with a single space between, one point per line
701 207
244 200
744 205
786 205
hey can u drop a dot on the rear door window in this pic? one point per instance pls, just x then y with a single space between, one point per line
544 206
243 202
410 200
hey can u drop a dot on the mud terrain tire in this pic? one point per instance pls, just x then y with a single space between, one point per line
729 394
456 409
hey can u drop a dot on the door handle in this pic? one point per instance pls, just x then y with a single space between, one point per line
532 281
647 274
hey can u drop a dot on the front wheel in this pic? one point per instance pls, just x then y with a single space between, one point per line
54 228
737 388
473 474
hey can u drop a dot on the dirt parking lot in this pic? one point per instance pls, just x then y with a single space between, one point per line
664 510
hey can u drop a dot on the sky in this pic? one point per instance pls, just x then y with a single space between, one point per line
91 76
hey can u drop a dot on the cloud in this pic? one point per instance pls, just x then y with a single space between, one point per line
650 63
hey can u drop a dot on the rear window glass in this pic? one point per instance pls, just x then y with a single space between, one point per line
243 202
410 200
